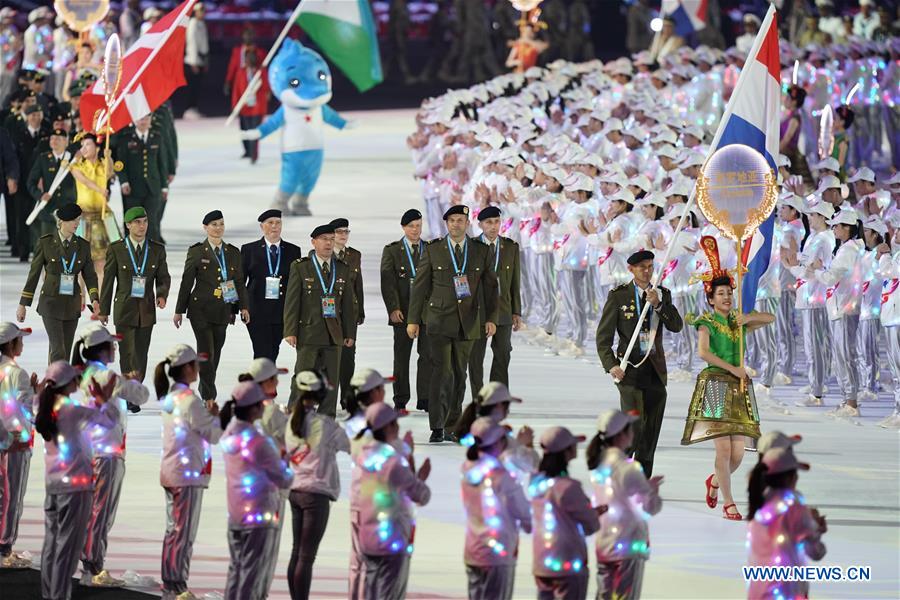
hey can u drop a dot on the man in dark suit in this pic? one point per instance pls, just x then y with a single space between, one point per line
137 267
504 260
449 280
267 266
399 262
642 387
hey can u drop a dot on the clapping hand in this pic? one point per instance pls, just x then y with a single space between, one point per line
104 392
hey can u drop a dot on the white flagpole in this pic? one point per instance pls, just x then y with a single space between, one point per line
252 86
757 43
101 122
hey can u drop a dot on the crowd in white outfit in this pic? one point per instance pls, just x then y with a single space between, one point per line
272 458
591 162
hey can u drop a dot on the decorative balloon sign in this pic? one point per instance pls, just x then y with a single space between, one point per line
81 15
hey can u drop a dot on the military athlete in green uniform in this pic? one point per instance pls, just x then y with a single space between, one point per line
449 280
353 259
46 167
212 292
504 260
143 171
137 267
319 313
642 387
399 264
62 256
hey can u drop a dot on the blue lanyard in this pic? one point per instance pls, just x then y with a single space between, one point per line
67 268
222 266
496 253
140 272
456 268
412 266
327 291
269 260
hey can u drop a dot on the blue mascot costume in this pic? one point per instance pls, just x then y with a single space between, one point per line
301 80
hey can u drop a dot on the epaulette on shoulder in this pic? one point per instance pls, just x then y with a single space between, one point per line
197 245
46 235
302 259
619 287
477 240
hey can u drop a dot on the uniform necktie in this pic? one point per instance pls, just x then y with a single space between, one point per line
459 252
219 253
415 253
493 250
341 255
66 245
273 252
325 270
138 252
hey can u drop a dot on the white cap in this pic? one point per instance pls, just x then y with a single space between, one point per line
862 174
493 393
181 354
875 223
636 132
642 181
263 368
694 131
579 182
828 164
775 439
844 217
367 380
248 393
821 208
794 201
828 182
668 136
10 331
311 381
96 334
612 124
782 160
681 187
782 460
667 150
692 159
623 195
613 421
60 372
894 180
379 415
486 432
653 198
557 439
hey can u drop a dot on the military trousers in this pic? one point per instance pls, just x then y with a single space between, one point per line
327 358
210 340
402 351
501 347
23 203
449 361
154 207
61 335
348 365
266 338
649 400
134 348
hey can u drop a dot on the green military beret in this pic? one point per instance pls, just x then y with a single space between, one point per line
135 212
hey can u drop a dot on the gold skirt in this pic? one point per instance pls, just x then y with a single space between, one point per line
719 408
93 229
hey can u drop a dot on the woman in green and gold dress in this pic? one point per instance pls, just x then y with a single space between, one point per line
723 407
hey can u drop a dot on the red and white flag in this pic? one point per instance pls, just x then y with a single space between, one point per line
152 69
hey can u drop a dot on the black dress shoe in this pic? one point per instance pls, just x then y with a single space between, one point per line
437 436
422 405
451 437
134 408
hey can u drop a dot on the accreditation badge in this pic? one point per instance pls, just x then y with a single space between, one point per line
273 288
329 311
645 341
229 292
66 284
138 286
461 286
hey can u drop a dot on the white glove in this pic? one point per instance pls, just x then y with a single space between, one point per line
250 134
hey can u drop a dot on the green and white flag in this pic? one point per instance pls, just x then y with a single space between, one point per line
345 31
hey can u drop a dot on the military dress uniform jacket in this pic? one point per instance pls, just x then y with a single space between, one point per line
144 166
397 278
434 287
41 178
256 269
303 306
200 294
119 270
47 258
620 316
508 280
353 259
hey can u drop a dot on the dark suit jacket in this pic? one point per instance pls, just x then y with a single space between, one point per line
128 311
256 269
434 287
620 317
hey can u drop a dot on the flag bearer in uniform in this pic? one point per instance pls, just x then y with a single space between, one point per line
503 258
267 265
353 259
319 313
137 268
450 279
62 256
399 264
46 167
17 390
212 291
643 386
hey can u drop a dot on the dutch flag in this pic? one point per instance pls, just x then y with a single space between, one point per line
689 15
752 118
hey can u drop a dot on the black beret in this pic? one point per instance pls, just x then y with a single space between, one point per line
640 256
33 109
488 212
410 216
340 223
212 216
457 209
322 230
68 212
60 133
272 213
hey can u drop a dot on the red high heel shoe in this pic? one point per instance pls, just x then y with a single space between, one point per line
735 516
711 501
